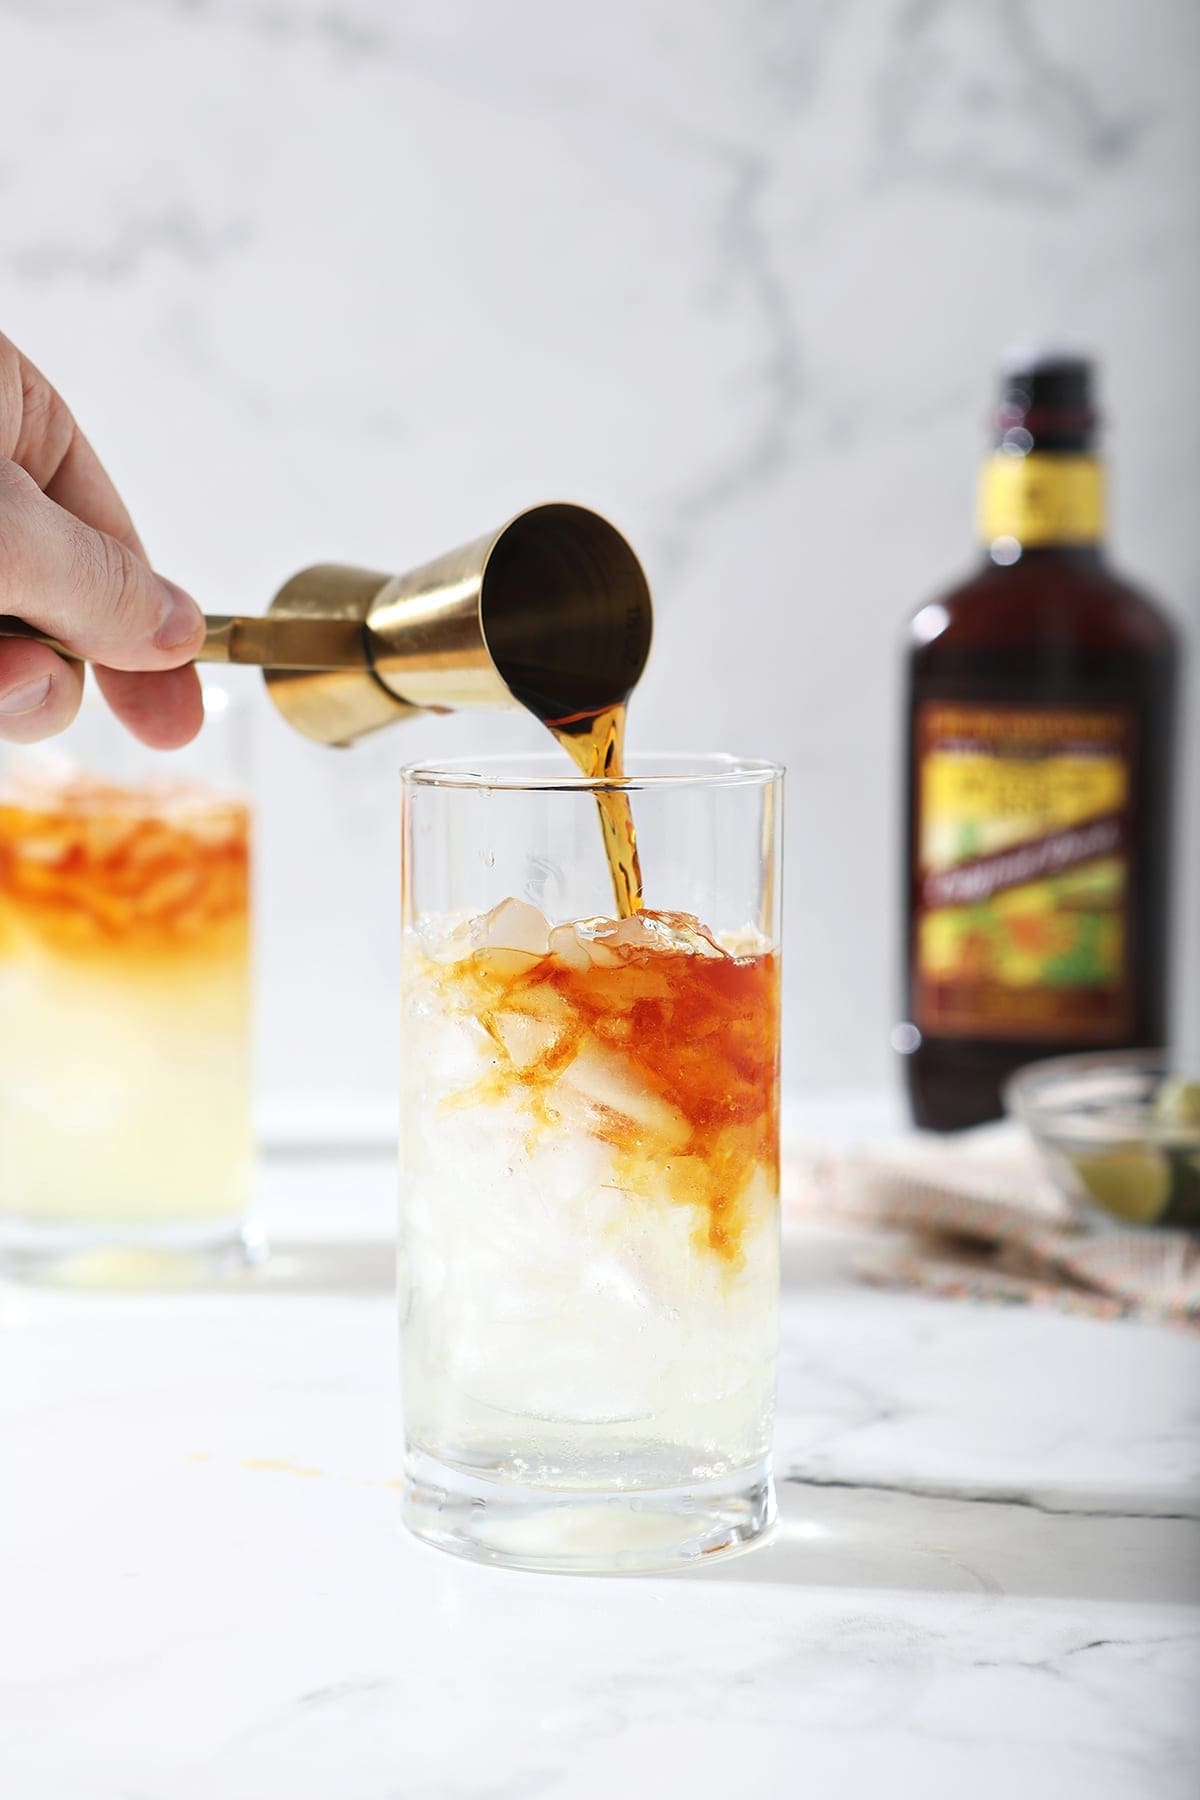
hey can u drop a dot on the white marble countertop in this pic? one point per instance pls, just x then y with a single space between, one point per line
985 1580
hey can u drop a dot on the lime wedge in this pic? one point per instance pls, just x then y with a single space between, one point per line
1177 1102
1133 1184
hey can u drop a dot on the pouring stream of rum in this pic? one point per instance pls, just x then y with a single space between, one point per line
595 742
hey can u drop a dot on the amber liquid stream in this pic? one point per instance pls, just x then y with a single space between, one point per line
595 742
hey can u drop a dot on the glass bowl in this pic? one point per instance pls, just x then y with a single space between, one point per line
1119 1130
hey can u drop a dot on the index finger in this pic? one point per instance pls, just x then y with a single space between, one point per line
39 432
87 589
41 435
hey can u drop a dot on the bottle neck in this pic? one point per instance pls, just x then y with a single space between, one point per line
1043 500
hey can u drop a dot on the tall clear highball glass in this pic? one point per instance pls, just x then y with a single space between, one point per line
126 1146
589 1238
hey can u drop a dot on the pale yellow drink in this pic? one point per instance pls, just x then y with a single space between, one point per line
124 1007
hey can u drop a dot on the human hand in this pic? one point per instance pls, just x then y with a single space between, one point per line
72 565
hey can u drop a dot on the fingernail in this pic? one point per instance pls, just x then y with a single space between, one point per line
181 618
25 699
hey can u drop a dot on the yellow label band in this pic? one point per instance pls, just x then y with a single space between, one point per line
1041 499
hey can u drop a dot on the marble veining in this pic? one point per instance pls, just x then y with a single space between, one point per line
978 99
1052 1504
343 279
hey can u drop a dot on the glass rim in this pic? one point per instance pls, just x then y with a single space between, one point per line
541 771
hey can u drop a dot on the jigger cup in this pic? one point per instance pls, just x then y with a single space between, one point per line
551 612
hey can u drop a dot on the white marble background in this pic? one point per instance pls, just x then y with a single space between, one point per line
354 279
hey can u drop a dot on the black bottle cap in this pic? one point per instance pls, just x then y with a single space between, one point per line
1046 401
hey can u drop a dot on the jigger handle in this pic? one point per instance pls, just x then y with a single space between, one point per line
265 643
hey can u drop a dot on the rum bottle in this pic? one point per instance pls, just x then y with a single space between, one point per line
1040 723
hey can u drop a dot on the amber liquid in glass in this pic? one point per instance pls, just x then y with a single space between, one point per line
692 1027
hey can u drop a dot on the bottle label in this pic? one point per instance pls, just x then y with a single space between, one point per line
1021 903
1041 499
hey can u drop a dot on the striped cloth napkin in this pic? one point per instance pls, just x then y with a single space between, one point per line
977 1218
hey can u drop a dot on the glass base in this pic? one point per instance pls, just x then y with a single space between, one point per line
584 1533
131 1256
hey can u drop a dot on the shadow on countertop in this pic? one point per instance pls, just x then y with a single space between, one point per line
1078 1546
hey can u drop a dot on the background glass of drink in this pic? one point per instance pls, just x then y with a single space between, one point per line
125 1084
589 1250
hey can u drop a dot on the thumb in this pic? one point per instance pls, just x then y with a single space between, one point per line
85 588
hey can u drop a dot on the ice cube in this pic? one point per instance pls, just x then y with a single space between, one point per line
513 925
149 841
587 930
167 893
215 828
506 965
651 932
108 835
513 937
49 847
603 1081
567 947
527 1039
745 944
683 931
593 937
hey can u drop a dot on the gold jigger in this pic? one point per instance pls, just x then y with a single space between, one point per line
551 612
